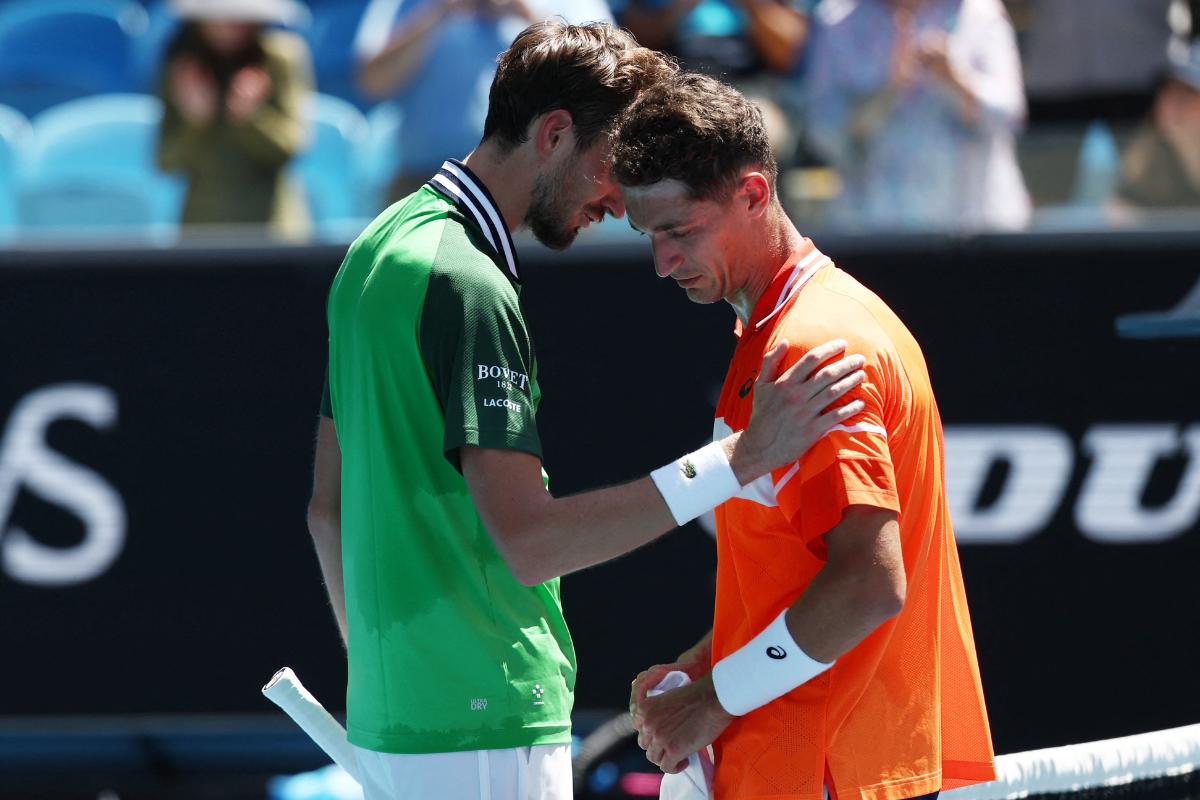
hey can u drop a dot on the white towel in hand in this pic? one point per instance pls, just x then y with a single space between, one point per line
694 782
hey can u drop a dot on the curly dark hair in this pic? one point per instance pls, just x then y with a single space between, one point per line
694 129
592 71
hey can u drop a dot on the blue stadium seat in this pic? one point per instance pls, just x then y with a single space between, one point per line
150 49
331 38
91 162
57 50
328 167
14 135
379 158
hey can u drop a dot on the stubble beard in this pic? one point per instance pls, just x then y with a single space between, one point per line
547 214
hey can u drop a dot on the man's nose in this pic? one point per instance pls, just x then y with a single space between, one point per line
667 259
613 203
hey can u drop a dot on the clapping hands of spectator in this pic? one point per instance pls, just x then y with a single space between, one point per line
194 91
249 89
934 56
906 54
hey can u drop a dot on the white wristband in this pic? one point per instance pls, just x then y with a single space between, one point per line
769 666
697 482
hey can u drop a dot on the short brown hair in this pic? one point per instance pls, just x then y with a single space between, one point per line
592 71
694 129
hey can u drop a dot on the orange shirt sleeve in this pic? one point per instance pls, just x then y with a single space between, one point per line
850 465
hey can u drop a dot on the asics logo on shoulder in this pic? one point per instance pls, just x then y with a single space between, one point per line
747 386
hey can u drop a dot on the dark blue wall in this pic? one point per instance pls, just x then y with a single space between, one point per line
181 387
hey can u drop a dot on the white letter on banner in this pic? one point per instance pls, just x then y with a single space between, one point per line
1110 506
25 460
1039 459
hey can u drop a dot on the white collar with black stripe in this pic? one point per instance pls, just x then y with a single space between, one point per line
467 192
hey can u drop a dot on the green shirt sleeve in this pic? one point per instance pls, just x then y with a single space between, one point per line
479 356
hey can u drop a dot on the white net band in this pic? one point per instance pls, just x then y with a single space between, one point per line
1094 765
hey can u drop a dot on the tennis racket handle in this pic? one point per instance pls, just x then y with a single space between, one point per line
286 691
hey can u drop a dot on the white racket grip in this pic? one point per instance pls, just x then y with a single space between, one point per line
285 690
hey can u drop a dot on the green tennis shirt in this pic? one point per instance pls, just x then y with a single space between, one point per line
429 351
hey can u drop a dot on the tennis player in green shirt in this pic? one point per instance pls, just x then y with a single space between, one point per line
438 540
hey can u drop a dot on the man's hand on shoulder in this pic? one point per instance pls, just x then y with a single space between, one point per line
790 409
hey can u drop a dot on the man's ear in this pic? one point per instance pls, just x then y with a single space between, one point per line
552 131
754 193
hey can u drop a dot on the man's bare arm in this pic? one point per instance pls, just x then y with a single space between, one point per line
383 74
861 586
325 517
541 536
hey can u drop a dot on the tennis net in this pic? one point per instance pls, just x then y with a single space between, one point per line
1163 765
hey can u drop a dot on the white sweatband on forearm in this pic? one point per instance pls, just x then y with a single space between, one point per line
769 666
697 482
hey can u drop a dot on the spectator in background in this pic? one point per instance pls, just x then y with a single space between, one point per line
1161 167
753 44
437 58
234 93
734 39
916 103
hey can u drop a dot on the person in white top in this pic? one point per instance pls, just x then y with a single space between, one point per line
435 59
916 103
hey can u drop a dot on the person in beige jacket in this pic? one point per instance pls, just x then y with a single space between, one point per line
234 93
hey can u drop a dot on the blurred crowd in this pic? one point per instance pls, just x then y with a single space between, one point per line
306 119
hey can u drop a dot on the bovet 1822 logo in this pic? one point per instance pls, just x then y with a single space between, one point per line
505 378
28 462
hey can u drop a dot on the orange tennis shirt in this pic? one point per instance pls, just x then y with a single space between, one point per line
901 714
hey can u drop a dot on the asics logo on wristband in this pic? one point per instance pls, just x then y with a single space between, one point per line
688 469
777 653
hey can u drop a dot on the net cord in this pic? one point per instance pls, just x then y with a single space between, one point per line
1092 765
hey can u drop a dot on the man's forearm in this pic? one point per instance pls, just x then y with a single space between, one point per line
777 31
699 656
327 540
845 602
390 70
548 537
861 586
656 29
834 615
325 517
567 534
541 537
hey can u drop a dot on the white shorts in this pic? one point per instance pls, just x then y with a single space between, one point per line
520 773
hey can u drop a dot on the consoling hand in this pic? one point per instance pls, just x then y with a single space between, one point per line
790 413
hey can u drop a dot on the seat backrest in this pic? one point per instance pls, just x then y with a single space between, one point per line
15 132
95 135
92 148
379 158
81 45
331 38
327 167
150 48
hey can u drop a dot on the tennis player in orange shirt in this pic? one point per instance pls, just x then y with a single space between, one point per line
841 661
